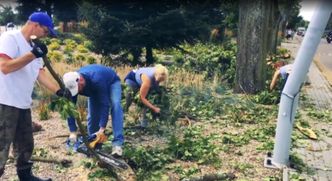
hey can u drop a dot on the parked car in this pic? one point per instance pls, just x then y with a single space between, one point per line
10 25
300 31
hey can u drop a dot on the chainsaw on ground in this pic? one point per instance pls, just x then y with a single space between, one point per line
107 159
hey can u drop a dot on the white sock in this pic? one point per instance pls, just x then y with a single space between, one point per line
73 136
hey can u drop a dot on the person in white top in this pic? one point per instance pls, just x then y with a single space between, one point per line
20 67
282 71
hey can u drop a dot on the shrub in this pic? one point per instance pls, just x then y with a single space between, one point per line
79 58
91 60
46 40
194 146
82 49
70 58
54 46
78 38
146 161
68 50
56 56
207 58
88 44
43 111
70 45
55 40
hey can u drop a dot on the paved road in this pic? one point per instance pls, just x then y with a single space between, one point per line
324 54
323 59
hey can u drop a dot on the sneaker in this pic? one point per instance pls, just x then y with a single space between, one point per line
73 144
73 136
117 151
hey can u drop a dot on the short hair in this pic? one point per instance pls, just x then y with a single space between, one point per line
279 64
161 70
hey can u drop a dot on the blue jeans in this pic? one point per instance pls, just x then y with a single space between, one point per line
134 88
116 112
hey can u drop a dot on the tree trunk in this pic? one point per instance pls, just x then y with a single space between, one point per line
136 53
284 9
149 56
252 45
273 27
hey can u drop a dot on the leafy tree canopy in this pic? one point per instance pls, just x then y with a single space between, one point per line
62 10
6 15
115 26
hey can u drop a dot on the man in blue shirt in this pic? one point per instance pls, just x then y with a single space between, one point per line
102 86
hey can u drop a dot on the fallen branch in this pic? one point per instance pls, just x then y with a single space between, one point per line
62 162
213 176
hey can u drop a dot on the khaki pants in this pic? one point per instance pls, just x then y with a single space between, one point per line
16 128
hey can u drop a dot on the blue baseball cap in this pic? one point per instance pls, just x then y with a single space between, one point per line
43 19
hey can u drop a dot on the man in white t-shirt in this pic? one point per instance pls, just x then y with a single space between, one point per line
20 67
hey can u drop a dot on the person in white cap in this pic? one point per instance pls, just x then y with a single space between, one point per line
103 87
20 67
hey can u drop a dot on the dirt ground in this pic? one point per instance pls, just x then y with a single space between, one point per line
49 143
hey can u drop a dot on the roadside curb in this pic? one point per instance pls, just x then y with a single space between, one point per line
327 74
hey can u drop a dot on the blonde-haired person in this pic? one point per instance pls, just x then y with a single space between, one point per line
143 80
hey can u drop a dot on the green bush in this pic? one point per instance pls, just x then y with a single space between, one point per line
91 60
55 55
194 146
54 46
70 58
79 58
78 38
44 111
68 50
207 58
46 40
146 161
55 40
70 45
88 44
82 49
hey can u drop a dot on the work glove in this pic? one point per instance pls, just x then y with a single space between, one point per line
39 49
64 93
96 138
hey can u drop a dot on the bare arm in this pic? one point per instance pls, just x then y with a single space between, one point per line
143 92
274 79
8 65
46 81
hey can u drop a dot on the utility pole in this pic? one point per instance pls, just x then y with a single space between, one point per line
290 93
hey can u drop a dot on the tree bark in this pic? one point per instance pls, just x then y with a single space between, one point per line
274 24
149 56
136 53
252 45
